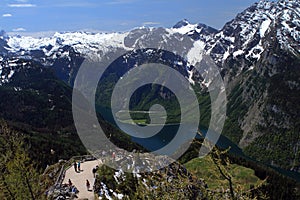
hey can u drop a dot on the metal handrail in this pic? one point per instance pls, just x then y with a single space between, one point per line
64 168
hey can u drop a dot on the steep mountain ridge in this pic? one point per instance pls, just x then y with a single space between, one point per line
262 73
247 35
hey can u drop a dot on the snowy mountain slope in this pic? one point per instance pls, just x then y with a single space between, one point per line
247 34
83 43
196 31
64 48
86 43
259 55
246 37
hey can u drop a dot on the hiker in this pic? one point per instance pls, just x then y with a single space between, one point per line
78 166
94 172
87 185
70 182
75 166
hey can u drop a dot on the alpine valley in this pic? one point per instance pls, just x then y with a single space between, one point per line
257 53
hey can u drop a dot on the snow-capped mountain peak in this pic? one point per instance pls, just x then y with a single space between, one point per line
181 23
82 42
196 31
248 34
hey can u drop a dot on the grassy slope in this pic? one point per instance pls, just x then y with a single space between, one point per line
206 169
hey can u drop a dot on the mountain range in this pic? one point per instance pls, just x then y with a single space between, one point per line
257 53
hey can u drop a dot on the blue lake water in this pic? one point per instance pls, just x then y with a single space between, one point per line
168 133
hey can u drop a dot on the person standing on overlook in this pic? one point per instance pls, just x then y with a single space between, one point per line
94 171
75 166
87 185
78 166
70 182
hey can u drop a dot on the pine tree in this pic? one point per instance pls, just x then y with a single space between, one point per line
19 179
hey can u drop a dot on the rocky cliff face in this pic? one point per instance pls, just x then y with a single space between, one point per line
164 184
260 61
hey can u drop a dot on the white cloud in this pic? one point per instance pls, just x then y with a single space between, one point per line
74 4
114 2
21 5
124 24
21 1
7 15
151 23
19 29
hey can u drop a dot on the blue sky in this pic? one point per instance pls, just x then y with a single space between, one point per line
114 15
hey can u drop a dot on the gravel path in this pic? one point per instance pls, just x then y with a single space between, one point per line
79 179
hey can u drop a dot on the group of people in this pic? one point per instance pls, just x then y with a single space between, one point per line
88 185
77 166
78 169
